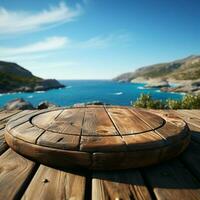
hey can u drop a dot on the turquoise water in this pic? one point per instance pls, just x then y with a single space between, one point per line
78 91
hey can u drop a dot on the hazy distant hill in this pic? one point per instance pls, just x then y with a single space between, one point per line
14 78
184 69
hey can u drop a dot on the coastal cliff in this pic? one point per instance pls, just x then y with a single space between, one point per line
185 72
14 78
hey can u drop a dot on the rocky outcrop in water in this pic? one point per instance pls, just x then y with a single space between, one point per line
157 84
190 87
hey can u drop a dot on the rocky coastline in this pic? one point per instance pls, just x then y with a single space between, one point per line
14 78
188 86
21 104
41 85
182 75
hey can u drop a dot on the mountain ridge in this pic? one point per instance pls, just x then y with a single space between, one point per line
14 78
178 70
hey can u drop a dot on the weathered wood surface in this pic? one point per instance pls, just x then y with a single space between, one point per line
174 179
97 137
15 171
119 185
5 117
51 184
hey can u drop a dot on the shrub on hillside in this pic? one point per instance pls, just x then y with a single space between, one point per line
146 101
187 102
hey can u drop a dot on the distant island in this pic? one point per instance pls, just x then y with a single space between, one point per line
184 72
14 78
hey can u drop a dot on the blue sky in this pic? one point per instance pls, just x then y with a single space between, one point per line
96 39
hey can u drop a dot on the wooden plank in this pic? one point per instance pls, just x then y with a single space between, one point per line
119 160
3 144
22 114
6 119
195 133
126 121
47 155
43 119
172 181
19 120
125 160
191 113
51 184
127 185
136 133
191 158
190 119
15 172
5 114
99 133
68 122
64 132
193 124
174 126
58 140
97 123
196 112
154 121
27 132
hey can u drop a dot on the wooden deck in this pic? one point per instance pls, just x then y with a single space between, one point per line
179 178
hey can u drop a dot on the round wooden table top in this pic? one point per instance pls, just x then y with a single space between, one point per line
97 137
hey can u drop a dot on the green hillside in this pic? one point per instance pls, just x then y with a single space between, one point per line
14 78
184 69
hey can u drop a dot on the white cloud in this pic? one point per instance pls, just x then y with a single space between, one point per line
49 44
104 41
12 22
42 49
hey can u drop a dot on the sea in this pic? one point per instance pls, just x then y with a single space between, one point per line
83 91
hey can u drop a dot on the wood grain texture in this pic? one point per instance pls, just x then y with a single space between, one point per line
99 136
190 113
3 144
27 132
139 158
119 185
51 184
5 114
136 133
69 122
58 140
127 122
5 117
44 119
191 158
99 133
15 171
172 181
97 123
12 123
21 114
49 156
174 128
193 122
154 121
189 118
